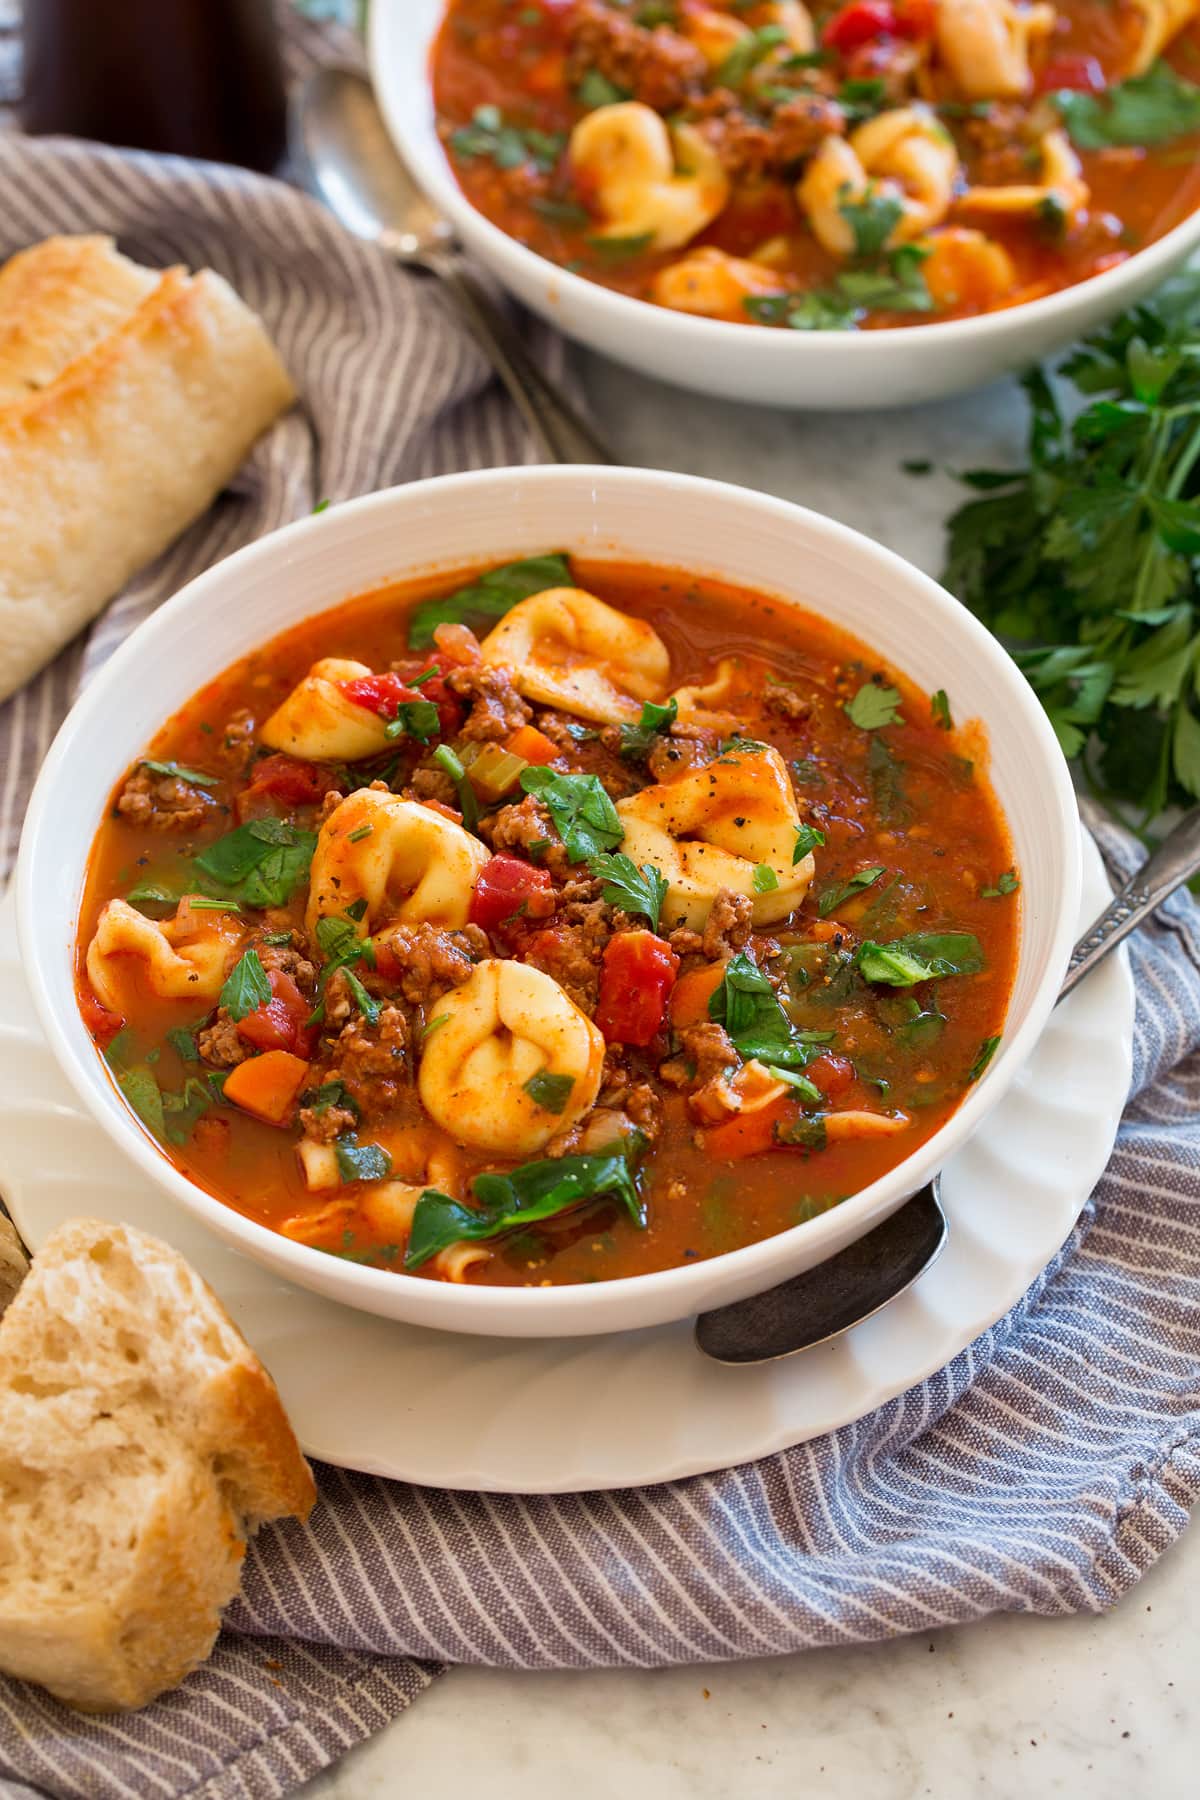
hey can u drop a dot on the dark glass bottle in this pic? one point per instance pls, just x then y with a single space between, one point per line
192 77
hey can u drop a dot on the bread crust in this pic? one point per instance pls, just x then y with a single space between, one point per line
13 1262
141 1443
124 409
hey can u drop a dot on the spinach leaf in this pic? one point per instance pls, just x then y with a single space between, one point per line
246 987
490 596
538 1190
595 89
182 1110
550 1092
182 1039
260 864
986 1051
885 781
637 741
582 811
831 898
634 890
1005 884
747 1006
921 956
360 1162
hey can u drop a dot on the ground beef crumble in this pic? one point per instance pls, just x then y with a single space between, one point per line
497 709
750 148
371 1062
163 802
425 962
701 1068
726 930
658 67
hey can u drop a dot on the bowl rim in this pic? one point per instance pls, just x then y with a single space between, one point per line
455 1303
386 37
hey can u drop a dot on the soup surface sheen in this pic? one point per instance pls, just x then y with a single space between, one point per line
663 923
825 167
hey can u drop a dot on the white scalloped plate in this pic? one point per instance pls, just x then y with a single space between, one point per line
557 1416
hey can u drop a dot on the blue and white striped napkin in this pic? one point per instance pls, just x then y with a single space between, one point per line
1043 1471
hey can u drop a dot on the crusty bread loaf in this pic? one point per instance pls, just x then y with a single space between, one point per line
128 398
13 1264
141 1442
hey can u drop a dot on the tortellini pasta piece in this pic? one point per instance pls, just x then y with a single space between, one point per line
707 704
1062 185
712 828
420 1157
508 1023
905 155
965 268
715 34
712 284
320 723
565 648
182 959
1161 21
629 158
409 863
986 45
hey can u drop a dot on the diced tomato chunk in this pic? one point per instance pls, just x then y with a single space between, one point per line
278 1024
99 1019
288 778
857 24
636 976
1081 74
506 885
832 1074
384 693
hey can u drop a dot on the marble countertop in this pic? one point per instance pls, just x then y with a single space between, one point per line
1098 1706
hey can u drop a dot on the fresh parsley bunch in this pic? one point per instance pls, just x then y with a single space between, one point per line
1085 562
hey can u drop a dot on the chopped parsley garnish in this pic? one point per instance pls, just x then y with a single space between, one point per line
874 706
939 707
490 596
341 947
246 987
807 838
418 719
508 146
1008 883
764 880
328 1095
637 741
596 90
831 898
616 249
746 55
176 770
580 808
534 1191
361 1162
1147 109
568 213
872 219
623 884
550 1092
894 284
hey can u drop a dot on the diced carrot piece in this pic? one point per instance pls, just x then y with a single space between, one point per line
532 744
691 994
267 1086
747 1134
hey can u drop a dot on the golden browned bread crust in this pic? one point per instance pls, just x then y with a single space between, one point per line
141 1443
128 398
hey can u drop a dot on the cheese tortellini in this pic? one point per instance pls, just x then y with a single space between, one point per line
409 863
505 1025
715 34
712 284
1161 21
711 829
905 155
565 648
986 45
628 157
319 722
185 958
1061 185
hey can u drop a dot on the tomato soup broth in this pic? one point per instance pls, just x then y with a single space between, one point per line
736 1071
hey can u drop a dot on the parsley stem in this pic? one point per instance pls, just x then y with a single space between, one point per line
1185 464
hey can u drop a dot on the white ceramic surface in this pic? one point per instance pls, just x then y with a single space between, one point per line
648 516
838 370
633 1408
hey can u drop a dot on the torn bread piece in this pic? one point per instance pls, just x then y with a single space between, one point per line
141 1444
128 399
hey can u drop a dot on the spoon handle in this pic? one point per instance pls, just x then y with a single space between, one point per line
1175 860
562 436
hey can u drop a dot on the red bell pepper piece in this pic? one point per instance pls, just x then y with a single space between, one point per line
857 24
505 886
99 1019
1081 74
636 976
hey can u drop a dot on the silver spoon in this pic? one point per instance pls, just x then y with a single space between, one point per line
347 160
822 1303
